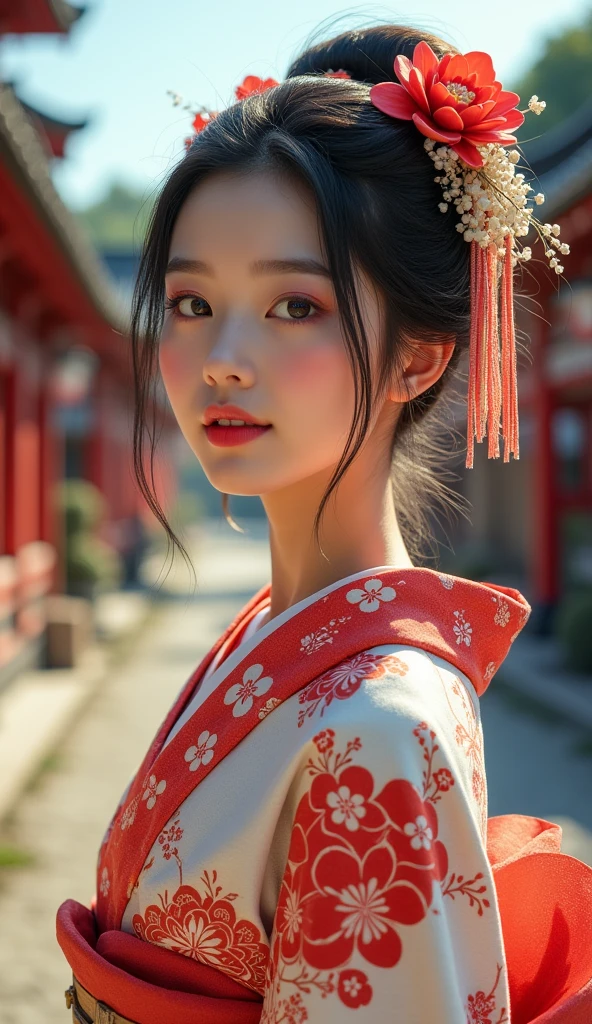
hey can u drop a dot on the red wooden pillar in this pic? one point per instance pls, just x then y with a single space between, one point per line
112 480
94 448
3 447
10 386
9 641
26 525
51 468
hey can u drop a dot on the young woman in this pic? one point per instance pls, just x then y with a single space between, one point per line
307 838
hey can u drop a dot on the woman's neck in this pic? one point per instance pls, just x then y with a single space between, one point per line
359 530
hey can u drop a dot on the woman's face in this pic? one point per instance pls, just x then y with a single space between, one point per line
254 323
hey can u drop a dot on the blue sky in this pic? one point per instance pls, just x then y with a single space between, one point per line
122 57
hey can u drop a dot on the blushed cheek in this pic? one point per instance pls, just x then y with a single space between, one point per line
317 381
177 367
315 369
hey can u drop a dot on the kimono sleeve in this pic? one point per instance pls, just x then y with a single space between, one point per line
387 904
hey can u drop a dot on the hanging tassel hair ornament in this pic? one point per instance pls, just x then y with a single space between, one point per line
493 388
457 102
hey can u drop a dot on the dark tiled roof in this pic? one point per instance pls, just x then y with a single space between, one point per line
55 129
65 14
22 149
53 123
20 17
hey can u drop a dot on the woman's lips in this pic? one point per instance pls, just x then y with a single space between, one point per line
226 437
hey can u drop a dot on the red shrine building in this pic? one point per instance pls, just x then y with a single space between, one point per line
535 514
65 369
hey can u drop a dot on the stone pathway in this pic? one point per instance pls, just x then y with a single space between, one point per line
62 821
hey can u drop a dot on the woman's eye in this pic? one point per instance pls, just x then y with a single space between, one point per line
191 305
295 308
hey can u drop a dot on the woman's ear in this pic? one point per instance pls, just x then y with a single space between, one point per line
423 365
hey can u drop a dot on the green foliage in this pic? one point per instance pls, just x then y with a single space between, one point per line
14 857
119 220
574 619
82 505
90 561
562 77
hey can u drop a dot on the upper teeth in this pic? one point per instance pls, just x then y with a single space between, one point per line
231 423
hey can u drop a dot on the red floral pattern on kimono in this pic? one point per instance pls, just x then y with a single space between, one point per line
341 682
204 927
364 863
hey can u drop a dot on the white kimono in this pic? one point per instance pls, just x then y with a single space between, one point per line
335 860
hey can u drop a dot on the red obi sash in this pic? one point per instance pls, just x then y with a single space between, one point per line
544 896
545 902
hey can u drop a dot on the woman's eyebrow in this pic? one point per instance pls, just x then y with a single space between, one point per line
179 264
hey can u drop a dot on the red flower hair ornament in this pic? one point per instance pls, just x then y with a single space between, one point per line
457 102
467 119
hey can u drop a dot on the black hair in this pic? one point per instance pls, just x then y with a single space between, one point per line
377 205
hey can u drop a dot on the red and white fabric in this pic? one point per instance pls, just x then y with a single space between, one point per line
307 838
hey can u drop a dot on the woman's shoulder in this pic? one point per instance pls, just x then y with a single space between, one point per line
399 713
383 685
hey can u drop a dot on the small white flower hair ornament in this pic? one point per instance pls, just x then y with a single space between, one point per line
457 102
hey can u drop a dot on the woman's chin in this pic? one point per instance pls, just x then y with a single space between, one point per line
246 484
